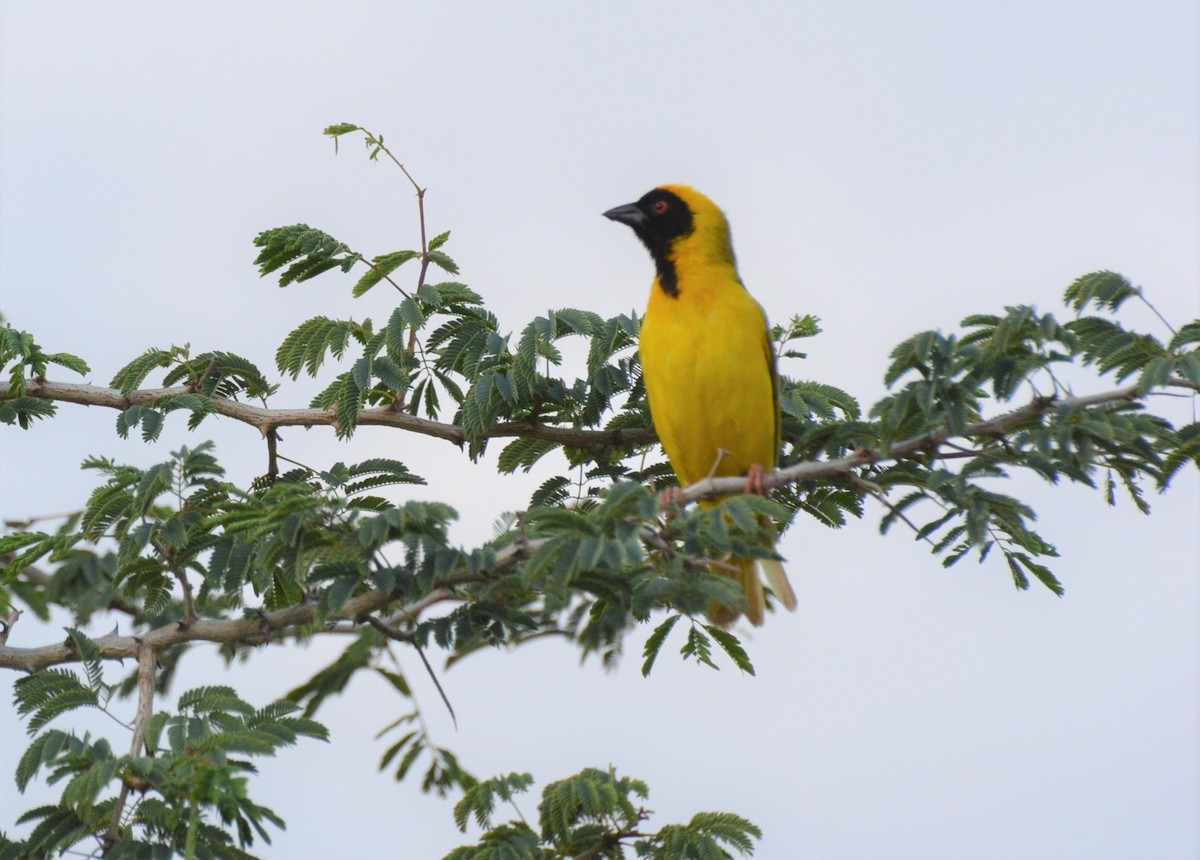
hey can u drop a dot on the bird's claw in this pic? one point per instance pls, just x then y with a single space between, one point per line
669 497
756 480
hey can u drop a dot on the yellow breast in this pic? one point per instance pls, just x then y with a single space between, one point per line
707 365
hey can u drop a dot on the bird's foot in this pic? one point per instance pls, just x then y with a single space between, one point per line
756 480
669 497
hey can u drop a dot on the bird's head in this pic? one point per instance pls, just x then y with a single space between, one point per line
675 219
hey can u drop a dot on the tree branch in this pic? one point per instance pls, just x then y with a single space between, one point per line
147 658
266 420
257 628
925 443
253 629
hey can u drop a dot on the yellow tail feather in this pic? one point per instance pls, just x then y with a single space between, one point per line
776 576
748 576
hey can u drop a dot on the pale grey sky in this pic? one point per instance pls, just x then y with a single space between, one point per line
886 166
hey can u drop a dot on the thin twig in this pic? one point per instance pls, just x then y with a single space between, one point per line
413 610
297 464
147 658
389 632
189 604
408 638
196 384
6 624
34 520
413 344
969 454
1161 318
878 493
272 452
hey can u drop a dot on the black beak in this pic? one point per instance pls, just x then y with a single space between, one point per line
628 214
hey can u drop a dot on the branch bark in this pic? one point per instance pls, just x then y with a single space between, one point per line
147 658
255 629
247 630
266 419
923 444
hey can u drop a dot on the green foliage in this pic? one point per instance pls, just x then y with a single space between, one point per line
574 811
380 268
463 358
24 361
1114 441
219 374
1106 290
593 814
200 379
23 411
798 328
655 642
443 773
1110 347
479 801
198 787
333 678
305 348
46 695
306 251
130 377
514 841
706 835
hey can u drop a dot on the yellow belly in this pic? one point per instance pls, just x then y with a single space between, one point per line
707 372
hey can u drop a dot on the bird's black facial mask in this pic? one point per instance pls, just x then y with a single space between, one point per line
658 219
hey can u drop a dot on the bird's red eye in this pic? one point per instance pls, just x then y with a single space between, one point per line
658 207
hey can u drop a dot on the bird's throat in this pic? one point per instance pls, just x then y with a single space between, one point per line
668 277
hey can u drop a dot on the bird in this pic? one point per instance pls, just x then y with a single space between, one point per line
708 364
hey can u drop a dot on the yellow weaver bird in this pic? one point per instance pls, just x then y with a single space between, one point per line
708 363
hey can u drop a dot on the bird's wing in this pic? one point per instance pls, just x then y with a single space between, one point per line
772 367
